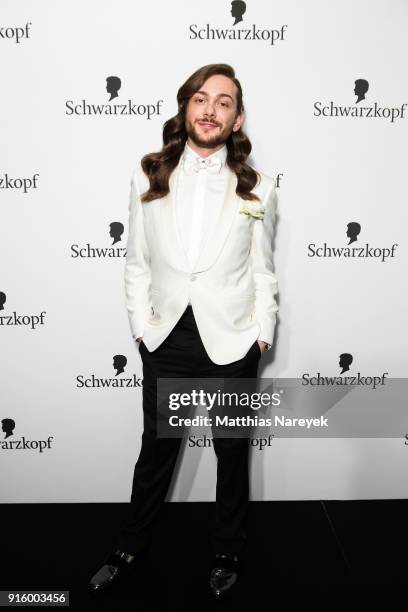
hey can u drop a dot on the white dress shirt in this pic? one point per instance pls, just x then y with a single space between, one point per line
199 198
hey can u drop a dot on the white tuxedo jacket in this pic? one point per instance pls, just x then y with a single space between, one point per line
232 287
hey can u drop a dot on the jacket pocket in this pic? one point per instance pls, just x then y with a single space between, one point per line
245 296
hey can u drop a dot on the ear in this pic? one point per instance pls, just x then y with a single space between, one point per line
238 121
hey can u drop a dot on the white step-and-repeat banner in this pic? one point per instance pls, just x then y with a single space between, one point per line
86 88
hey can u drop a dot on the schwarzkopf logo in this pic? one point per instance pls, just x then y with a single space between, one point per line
371 112
113 84
345 361
14 319
116 230
7 182
238 9
365 251
119 363
207 441
11 33
8 425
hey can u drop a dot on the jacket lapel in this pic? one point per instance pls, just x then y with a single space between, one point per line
221 227
173 245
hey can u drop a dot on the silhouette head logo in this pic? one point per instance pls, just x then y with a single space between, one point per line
360 89
2 300
238 8
119 363
345 362
116 230
7 425
353 230
113 84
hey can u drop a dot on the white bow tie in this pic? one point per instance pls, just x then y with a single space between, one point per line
212 164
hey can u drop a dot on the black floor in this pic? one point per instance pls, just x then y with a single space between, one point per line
293 547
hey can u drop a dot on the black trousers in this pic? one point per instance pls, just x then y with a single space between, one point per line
182 355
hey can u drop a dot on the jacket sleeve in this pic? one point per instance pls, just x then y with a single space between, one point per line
137 274
266 284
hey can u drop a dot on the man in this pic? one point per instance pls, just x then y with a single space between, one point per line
200 294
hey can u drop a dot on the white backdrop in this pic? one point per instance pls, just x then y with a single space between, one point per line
66 177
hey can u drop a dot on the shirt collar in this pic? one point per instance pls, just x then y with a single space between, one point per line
221 153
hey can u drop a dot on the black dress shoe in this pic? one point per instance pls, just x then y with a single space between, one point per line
117 564
224 574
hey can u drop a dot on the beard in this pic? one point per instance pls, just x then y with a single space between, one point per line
210 142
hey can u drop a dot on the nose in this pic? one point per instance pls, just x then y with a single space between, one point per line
209 110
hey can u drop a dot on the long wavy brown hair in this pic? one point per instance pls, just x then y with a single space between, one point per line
159 166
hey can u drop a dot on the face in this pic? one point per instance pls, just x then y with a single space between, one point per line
211 113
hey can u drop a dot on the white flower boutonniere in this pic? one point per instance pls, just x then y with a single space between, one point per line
253 209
